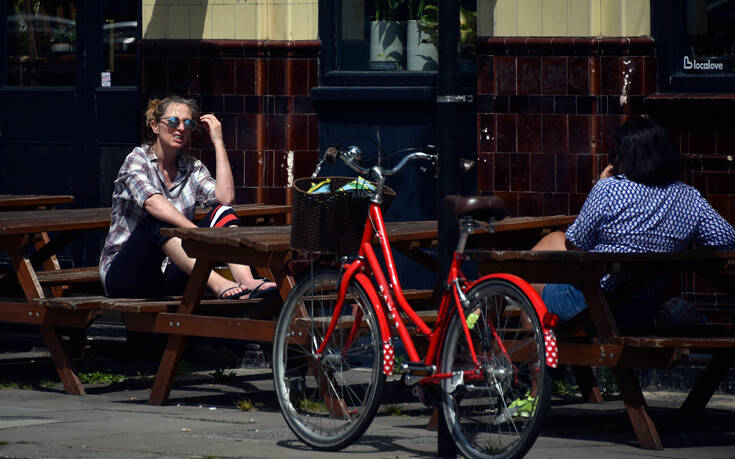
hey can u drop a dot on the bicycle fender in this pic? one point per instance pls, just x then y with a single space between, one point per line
552 352
388 351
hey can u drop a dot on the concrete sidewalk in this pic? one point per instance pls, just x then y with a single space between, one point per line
114 421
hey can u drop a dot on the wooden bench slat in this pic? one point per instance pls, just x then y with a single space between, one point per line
171 305
668 342
69 276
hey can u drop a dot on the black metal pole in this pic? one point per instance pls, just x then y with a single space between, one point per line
449 172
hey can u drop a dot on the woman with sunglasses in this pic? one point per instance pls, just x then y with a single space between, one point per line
159 185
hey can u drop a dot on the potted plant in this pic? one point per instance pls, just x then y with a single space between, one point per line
467 32
63 39
421 52
387 37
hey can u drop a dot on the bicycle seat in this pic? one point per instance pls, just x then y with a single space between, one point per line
482 208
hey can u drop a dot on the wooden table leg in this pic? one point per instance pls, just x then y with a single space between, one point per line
587 384
278 271
637 409
708 381
62 362
176 343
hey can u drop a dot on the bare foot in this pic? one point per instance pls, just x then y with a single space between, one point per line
232 290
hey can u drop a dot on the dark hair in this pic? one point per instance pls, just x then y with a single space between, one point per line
157 108
644 153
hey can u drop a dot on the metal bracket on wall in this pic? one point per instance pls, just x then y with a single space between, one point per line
454 99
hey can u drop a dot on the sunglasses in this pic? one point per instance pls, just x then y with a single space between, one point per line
174 122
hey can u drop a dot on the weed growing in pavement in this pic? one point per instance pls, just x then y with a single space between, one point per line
6 385
244 404
46 384
608 385
564 389
398 365
221 376
98 377
394 410
184 369
311 406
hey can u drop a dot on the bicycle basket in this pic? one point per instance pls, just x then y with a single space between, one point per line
330 222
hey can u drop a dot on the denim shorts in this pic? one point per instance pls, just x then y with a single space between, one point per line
564 300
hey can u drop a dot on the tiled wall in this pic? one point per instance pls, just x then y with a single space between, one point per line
260 92
548 110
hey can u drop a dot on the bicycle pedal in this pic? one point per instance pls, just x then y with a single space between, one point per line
414 372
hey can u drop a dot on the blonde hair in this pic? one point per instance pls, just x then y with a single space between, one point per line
157 108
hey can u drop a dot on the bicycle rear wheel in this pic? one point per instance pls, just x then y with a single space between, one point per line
498 412
329 400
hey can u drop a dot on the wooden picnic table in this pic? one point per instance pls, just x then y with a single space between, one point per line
611 348
15 229
32 201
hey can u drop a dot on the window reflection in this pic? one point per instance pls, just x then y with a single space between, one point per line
41 40
711 37
119 35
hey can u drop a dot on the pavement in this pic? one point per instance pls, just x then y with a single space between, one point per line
39 420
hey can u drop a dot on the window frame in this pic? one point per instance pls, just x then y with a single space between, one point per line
672 43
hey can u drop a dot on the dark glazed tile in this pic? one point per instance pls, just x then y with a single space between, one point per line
304 162
565 105
702 143
577 76
610 78
501 175
510 199
254 104
276 132
501 104
587 105
302 104
485 75
282 105
254 168
638 105
185 77
229 130
585 175
275 196
154 75
505 75
224 76
485 104
556 204
245 77
519 104
530 204
543 173
649 75
279 168
529 133
519 171
542 104
505 133
486 132
313 132
555 134
200 139
297 132
245 195
298 77
237 164
725 142
529 75
579 134
276 77
609 124
634 70
484 172
566 173
721 184
576 201
210 103
613 105
554 75
247 132
234 104
313 73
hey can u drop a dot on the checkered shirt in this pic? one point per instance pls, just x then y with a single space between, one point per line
139 179
621 215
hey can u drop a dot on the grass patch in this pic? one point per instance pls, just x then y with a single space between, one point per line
311 406
98 377
394 410
608 386
221 376
244 404
6 385
564 389
184 369
46 384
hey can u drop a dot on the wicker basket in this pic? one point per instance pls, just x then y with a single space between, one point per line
330 222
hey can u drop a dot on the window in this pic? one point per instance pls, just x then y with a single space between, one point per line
695 42
119 50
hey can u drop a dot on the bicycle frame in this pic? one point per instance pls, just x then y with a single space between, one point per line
375 226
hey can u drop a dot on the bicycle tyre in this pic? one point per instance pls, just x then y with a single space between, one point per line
327 402
481 415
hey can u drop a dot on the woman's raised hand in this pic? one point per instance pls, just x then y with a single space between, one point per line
213 126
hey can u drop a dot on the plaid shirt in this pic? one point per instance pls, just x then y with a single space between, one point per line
139 179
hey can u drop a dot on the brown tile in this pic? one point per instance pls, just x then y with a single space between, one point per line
245 195
485 75
576 201
245 77
505 133
297 83
555 134
585 176
634 70
276 77
229 130
554 75
556 204
505 75
541 104
529 133
577 82
702 142
565 105
154 75
610 78
247 132
484 172
511 201
224 76
593 75
486 133
588 105
297 132
302 104
276 132
304 162
579 134
529 75
519 171
254 168
234 104
280 168
501 175
211 103
649 75
276 196
313 73
725 142
313 128
721 184
185 77
543 172
566 173
530 204
237 164
609 124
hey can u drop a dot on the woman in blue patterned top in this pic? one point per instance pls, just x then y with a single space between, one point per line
638 205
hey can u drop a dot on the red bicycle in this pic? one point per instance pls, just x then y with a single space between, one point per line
488 351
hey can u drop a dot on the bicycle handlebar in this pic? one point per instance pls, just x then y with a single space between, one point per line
351 155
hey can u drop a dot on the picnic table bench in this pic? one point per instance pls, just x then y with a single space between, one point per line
610 348
32 201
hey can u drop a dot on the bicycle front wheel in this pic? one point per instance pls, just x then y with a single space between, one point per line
497 411
328 400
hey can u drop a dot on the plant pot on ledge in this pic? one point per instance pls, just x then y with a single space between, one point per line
387 45
421 54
